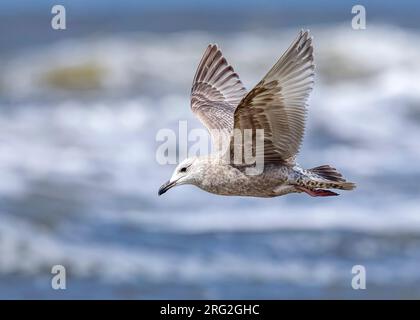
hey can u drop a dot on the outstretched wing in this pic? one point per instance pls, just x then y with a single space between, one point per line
215 93
277 104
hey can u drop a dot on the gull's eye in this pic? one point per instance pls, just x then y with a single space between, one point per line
184 169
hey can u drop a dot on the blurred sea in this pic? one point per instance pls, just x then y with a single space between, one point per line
79 179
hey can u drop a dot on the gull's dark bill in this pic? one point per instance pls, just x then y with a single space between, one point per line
165 187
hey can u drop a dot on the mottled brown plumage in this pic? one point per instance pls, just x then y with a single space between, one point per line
215 93
277 105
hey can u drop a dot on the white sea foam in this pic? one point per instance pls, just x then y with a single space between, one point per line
392 218
364 119
34 251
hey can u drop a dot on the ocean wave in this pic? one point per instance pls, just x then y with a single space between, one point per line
78 124
33 251
397 218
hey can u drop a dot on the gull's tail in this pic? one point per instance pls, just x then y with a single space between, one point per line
332 177
323 177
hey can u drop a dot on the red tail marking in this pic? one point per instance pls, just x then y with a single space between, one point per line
317 192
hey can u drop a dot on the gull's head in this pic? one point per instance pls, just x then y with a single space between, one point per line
186 172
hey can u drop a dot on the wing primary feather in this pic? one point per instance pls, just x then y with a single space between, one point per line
278 102
215 93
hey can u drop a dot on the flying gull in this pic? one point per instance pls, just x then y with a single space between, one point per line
276 105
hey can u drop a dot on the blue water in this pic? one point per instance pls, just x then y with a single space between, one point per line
79 114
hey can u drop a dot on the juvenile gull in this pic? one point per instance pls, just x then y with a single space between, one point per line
277 104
